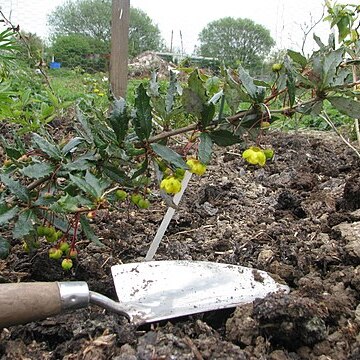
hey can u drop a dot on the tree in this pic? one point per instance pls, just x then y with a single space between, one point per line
92 18
236 40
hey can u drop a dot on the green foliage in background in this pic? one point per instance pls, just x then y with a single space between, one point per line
89 20
76 50
236 41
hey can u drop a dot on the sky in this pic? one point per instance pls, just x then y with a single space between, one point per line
283 18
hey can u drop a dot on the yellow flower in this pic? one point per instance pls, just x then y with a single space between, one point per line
254 156
96 90
196 167
170 185
101 94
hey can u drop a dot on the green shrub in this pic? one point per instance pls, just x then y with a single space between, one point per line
80 51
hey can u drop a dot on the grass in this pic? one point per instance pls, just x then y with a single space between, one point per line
73 85
67 84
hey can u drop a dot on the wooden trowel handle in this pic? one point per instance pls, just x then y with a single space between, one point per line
25 302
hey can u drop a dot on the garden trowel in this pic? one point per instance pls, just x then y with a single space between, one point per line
147 292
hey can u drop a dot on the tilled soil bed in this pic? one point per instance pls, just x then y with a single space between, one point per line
297 218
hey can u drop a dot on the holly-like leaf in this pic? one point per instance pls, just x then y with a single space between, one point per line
143 118
169 155
310 108
192 102
207 114
171 93
85 129
15 187
345 105
290 81
50 149
141 170
91 185
4 248
119 119
6 214
11 151
66 204
251 121
224 138
37 170
297 57
232 98
99 185
83 162
330 65
83 185
71 145
343 26
318 41
205 148
24 224
194 96
196 85
88 232
257 93
115 174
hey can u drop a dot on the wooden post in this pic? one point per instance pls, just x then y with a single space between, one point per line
119 47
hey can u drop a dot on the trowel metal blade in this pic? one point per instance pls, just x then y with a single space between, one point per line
157 290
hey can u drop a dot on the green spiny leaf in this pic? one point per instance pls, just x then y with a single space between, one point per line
205 148
24 224
290 81
169 155
207 114
85 129
119 119
6 214
297 57
88 232
15 187
71 145
141 170
83 162
98 184
192 102
50 149
330 65
143 118
91 185
37 170
115 174
171 93
66 204
257 93
224 138
345 105
4 248
196 85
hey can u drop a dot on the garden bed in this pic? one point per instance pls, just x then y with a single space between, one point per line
297 218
